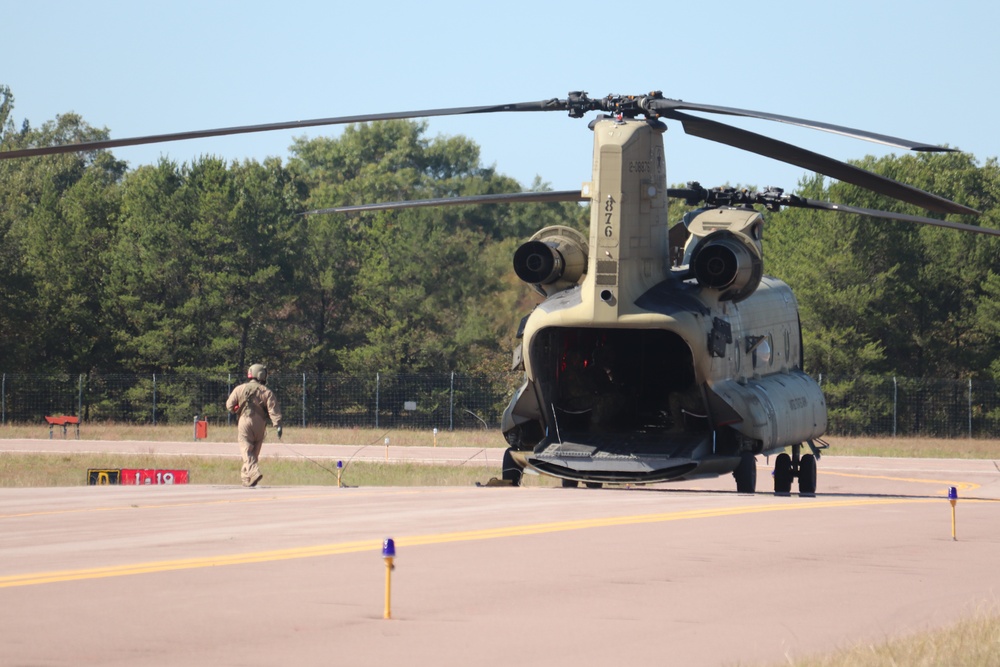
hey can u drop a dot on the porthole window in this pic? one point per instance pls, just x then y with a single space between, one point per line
762 356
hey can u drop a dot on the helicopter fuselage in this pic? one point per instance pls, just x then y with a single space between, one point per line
639 371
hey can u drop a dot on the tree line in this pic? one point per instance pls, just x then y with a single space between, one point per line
207 266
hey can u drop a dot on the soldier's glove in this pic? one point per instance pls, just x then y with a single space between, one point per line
279 433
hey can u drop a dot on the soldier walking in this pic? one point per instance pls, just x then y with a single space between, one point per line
255 404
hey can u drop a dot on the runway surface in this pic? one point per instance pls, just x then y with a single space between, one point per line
685 574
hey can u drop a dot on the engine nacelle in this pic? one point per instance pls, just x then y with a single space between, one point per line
552 260
729 262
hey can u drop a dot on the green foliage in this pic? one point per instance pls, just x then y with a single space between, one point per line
880 296
987 316
57 215
416 290
208 266
203 244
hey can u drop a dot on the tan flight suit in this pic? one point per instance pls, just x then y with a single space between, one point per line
255 404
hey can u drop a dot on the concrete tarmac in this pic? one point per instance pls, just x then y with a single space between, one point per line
684 574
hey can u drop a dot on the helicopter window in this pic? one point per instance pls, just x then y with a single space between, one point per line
762 355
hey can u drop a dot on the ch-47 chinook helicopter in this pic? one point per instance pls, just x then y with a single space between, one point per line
656 354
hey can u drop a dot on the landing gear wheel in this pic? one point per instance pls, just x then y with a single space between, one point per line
594 485
510 471
570 483
807 475
746 474
783 474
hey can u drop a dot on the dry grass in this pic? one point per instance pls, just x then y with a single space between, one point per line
46 470
17 470
973 642
962 448
921 448
292 435
34 470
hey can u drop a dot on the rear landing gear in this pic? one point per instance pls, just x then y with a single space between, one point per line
783 475
786 468
807 475
746 473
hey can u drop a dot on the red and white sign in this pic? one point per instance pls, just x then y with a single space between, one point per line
139 477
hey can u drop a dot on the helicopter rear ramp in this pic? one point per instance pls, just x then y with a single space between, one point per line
622 458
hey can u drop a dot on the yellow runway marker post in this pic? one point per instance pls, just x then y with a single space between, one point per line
388 553
953 499
340 469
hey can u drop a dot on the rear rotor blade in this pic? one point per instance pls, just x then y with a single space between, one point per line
544 105
577 103
504 198
666 105
779 150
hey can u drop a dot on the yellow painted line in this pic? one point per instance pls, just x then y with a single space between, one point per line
33 579
186 564
961 486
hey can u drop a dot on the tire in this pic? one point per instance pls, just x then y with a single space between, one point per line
783 474
807 475
570 483
746 474
594 485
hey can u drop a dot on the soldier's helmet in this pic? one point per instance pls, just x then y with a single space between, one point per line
257 372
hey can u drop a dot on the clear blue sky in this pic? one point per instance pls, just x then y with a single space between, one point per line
918 69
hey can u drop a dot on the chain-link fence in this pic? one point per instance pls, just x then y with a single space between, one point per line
876 405
864 405
439 400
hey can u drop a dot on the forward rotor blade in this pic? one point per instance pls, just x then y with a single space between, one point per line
665 104
802 202
544 105
779 150
505 198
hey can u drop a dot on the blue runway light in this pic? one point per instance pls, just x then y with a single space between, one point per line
389 555
340 464
953 499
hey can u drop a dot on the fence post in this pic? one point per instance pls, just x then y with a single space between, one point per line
303 400
3 398
377 387
79 398
229 390
154 399
895 399
451 404
970 407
